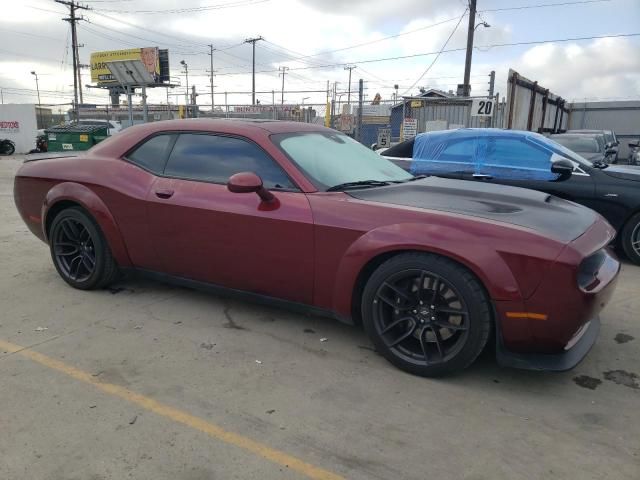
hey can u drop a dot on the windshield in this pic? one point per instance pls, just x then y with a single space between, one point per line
558 148
332 158
578 144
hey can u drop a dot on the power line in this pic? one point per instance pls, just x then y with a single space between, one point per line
542 5
439 53
202 8
451 50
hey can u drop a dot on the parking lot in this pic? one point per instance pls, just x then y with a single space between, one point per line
149 381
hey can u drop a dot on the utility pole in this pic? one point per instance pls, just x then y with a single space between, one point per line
466 90
39 104
186 92
73 19
349 67
284 72
213 102
492 82
253 41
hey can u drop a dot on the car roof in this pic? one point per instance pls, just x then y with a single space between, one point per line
228 125
586 130
475 132
117 145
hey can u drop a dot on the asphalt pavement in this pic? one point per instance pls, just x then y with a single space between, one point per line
150 381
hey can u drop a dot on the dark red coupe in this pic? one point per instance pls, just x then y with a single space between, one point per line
304 216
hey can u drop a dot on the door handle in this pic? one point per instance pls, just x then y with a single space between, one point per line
482 176
164 193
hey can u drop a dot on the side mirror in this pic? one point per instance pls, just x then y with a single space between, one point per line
610 151
249 182
562 167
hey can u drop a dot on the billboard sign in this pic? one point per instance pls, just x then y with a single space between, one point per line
101 75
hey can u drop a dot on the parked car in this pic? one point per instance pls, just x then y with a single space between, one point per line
610 139
113 126
634 153
525 159
591 146
300 215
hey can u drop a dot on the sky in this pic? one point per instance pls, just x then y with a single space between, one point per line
316 39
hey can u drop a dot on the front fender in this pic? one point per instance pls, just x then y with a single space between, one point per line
459 245
75 192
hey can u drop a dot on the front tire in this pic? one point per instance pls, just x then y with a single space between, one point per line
80 252
630 239
426 314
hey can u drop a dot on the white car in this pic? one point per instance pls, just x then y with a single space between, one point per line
113 126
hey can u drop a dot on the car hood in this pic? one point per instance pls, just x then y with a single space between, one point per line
592 157
625 172
548 215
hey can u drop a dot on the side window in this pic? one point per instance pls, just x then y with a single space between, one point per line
442 157
505 158
152 154
214 158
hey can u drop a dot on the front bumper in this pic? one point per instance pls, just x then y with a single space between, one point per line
553 362
554 328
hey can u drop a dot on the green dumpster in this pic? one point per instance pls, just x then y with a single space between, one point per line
74 137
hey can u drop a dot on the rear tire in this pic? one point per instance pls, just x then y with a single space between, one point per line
426 314
80 251
630 239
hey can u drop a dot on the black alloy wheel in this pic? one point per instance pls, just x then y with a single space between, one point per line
630 239
421 317
79 251
74 250
426 314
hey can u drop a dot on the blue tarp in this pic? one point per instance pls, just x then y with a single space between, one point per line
503 154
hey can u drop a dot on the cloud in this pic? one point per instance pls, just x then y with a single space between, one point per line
603 68
319 30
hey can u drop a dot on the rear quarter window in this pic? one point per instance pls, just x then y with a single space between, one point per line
152 154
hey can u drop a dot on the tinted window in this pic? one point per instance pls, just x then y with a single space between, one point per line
214 158
579 144
513 158
152 154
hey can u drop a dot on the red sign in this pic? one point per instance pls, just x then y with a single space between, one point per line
9 126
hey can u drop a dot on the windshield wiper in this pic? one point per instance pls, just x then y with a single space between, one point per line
361 183
412 179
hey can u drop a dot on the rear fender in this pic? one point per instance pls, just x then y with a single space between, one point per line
86 198
462 247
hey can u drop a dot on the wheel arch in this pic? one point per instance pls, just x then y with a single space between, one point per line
377 246
70 194
367 270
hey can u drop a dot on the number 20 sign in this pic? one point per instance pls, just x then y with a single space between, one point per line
482 107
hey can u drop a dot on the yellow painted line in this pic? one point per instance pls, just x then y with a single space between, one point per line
532 316
211 429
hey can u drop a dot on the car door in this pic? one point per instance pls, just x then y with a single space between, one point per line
522 163
451 158
202 231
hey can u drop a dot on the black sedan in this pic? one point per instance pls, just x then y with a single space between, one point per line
530 160
591 146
